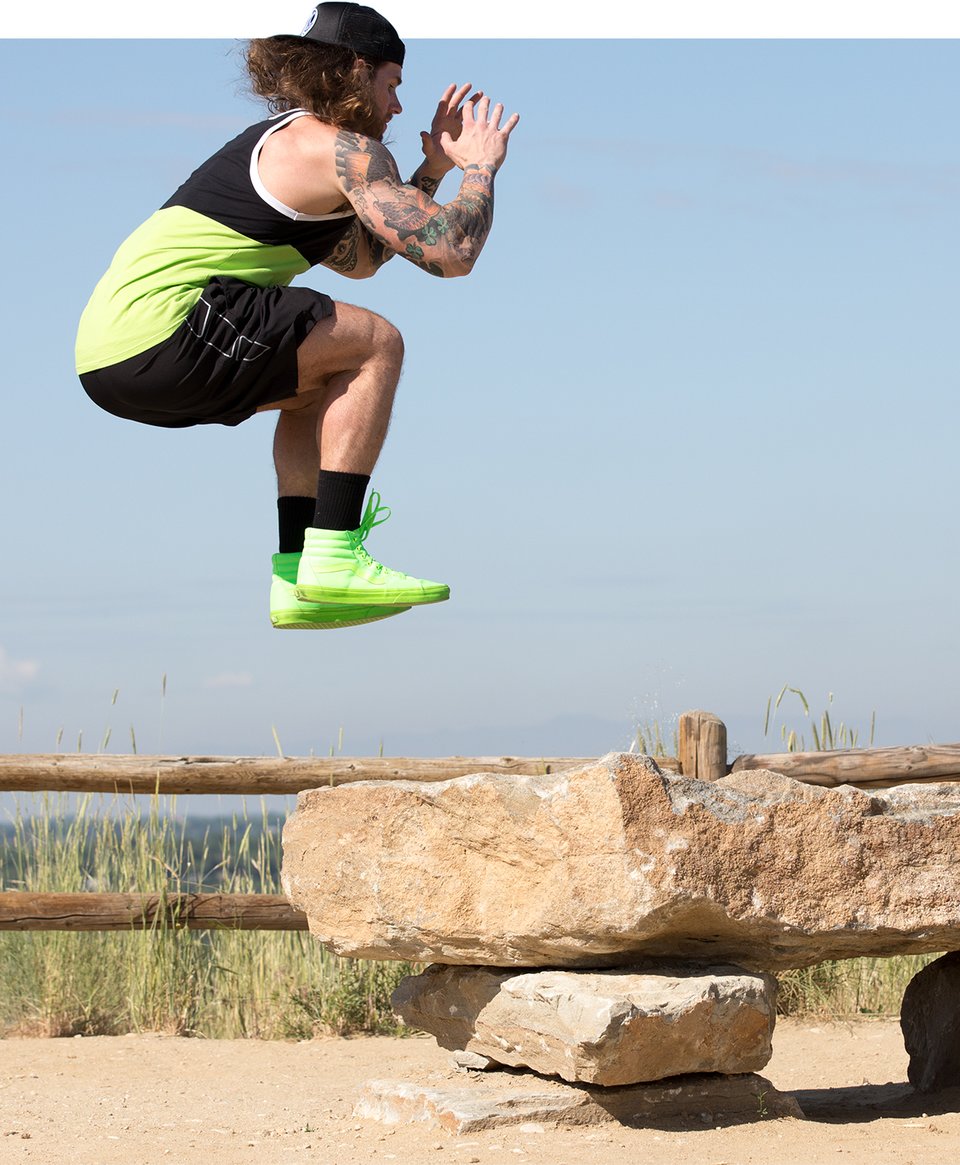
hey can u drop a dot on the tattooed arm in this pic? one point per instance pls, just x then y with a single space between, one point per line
394 217
425 181
359 254
443 240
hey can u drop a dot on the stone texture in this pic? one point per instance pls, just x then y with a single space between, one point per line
491 1103
616 861
472 1061
930 1022
603 1027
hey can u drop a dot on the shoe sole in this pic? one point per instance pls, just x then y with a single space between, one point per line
296 621
307 594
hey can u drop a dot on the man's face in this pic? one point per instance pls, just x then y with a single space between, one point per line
386 80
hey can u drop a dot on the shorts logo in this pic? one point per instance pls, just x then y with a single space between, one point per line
311 22
217 332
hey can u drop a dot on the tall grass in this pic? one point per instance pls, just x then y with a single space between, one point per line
824 734
218 983
849 988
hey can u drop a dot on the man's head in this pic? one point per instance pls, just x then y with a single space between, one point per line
344 67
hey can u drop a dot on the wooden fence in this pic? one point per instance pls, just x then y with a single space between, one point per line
702 753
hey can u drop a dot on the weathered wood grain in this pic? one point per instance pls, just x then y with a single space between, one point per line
250 775
867 768
702 745
22 910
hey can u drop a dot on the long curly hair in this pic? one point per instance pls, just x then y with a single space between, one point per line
336 85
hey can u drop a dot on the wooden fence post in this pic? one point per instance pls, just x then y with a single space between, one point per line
702 746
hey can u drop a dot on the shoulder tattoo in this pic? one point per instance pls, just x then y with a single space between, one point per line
360 159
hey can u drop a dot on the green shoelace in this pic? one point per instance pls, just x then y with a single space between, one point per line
371 518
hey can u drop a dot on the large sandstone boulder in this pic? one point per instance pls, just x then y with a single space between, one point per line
617 861
599 1027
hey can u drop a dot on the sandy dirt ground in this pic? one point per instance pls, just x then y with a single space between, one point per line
140 1100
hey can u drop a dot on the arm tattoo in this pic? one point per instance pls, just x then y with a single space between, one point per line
348 254
361 160
436 238
344 257
476 217
426 184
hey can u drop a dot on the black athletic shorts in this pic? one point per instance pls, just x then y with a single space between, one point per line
235 351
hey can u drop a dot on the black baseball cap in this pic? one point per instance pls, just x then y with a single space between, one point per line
354 26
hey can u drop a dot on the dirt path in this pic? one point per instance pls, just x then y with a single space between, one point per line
151 1100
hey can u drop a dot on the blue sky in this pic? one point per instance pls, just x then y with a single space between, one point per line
685 435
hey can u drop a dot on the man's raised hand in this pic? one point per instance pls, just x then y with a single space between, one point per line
447 119
481 140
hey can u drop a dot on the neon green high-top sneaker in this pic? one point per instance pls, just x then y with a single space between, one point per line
335 568
287 612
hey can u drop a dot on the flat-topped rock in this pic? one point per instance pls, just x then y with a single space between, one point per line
598 1027
616 861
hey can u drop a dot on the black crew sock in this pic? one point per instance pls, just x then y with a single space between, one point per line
294 515
339 504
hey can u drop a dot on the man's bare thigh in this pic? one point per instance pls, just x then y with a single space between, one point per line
340 342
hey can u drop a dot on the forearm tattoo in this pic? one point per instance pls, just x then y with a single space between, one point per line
476 196
426 184
441 239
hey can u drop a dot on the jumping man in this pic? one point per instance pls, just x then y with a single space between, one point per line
195 322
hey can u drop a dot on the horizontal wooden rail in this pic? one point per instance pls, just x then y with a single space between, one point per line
248 775
256 776
21 910
867 768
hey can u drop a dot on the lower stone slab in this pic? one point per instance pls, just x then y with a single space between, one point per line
629 1026
508 1099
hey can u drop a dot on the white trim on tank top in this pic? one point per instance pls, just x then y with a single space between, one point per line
265 194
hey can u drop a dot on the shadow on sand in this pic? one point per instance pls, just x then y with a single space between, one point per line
870 1102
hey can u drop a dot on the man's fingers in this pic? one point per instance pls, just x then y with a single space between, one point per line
455 96
476 109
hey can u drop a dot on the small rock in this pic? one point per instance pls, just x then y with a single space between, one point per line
470 1061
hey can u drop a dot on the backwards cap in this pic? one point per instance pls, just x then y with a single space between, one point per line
354 26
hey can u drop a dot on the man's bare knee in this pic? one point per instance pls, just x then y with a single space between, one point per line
344 342
380 339
389 342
